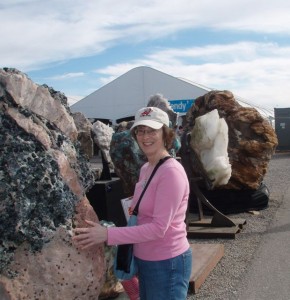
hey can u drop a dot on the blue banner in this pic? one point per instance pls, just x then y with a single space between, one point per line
181 106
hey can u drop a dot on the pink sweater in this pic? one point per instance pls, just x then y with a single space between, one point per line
161 231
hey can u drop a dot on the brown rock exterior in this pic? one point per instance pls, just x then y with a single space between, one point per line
252 140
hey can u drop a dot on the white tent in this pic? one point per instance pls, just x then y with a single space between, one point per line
122 97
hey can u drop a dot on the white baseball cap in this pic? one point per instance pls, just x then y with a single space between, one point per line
152 117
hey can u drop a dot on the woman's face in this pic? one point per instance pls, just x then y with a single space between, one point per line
149 140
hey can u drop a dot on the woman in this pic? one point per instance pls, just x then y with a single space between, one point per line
161 248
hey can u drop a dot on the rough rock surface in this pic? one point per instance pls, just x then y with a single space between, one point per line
127 158
43 180
84 128
102 137
39 99
252 140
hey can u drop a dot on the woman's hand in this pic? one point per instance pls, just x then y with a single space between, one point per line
91 236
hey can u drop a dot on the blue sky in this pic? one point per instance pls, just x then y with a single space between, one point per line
78 46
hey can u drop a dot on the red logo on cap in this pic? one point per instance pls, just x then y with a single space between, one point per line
146 112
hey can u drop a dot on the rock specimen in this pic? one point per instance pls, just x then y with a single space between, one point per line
252 140
127 158
43 180
84 128
209 139
102 137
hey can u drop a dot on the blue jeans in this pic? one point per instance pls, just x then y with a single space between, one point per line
165 279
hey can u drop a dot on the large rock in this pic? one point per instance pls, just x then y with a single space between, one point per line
57 270
43 181
84 127
38 99
252 140
127 158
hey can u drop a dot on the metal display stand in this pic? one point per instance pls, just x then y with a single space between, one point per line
219 226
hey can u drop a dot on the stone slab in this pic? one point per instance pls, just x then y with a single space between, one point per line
204 259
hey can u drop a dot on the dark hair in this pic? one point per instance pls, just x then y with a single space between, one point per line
168 136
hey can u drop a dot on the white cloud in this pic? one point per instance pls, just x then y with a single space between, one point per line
261 75
42 32
36 34
68 76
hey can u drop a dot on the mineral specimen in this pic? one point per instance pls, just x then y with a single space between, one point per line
252 140
44 176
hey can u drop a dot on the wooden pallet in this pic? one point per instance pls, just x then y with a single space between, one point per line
204 229
204 259
240 222
202 232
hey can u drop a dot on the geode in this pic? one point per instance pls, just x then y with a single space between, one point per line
252 140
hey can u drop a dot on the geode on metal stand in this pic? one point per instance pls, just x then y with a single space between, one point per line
251 143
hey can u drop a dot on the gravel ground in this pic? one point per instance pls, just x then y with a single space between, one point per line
223 282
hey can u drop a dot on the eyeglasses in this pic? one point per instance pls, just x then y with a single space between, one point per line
149 132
